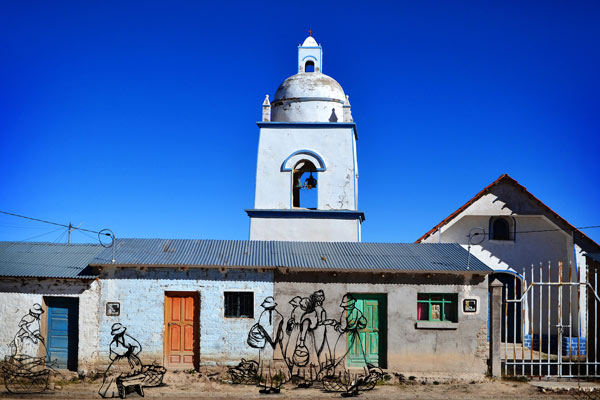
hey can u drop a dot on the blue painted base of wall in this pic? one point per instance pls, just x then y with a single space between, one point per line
569 346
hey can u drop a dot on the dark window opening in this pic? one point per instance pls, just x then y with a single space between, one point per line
239 304
305 182
500 229
309 66
441 307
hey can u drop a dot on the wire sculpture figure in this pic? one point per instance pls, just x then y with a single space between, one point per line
24 371
270 320
306 348
126 373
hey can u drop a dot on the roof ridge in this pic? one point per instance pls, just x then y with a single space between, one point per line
506 177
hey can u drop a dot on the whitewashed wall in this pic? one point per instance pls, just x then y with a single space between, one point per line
141 296
336 189
525 250
305 229
17 296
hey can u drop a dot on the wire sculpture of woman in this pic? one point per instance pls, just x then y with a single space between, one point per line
270 322
350 323
125 362
26 341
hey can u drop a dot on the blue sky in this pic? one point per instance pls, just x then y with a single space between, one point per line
140 116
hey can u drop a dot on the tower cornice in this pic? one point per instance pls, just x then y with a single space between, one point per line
313 125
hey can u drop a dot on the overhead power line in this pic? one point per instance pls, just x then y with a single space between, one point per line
544 230
57 224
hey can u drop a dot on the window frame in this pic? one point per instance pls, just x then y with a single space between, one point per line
510 221
447 298
239 308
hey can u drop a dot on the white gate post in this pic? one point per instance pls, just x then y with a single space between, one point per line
495 328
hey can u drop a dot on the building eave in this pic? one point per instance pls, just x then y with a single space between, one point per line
306 214
310 125
505 178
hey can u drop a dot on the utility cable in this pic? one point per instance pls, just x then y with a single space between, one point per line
59 238
545 230
55 223
88 235
43 234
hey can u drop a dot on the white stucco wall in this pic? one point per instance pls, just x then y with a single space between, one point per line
307 111
17 296
141 296
527 249
305 229
336 185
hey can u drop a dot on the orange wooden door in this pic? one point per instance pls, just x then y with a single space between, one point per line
181 325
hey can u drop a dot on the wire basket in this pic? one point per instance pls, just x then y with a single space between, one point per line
26 375
154 375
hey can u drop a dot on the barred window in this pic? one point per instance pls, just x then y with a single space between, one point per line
239 304
437 307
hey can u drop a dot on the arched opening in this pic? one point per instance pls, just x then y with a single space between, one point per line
304 185
309 66
501 228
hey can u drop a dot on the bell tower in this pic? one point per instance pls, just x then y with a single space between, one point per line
310 56
307 173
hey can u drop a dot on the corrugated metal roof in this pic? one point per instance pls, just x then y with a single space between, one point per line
407 257
594 256
46 260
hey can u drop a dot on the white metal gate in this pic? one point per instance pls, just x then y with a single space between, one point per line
554 323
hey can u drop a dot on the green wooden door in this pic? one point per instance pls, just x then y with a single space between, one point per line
372 344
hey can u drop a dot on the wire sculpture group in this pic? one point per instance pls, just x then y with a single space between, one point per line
314 348
126 373
24 370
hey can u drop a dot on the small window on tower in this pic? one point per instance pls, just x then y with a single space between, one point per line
309 66
304 189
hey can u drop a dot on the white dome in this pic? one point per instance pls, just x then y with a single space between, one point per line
310 42
308 97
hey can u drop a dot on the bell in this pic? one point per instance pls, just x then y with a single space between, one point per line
299 184
310 182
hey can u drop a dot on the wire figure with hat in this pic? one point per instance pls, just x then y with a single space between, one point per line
124 350
126 373
270 320
27 338
350 323
28 367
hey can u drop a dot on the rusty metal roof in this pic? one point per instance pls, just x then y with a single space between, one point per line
332 256
47 260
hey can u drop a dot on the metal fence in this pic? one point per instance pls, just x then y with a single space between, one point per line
553 319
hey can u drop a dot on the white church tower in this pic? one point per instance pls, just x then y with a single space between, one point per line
307 174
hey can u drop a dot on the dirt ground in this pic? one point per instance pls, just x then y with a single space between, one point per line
184 385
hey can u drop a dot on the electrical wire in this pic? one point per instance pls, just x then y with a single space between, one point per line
43 234
59 238
55 223
545 230
88 235
19 226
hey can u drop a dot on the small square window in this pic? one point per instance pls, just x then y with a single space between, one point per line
441 307
239 304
